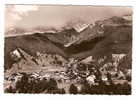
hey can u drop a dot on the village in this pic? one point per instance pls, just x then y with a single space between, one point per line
69 76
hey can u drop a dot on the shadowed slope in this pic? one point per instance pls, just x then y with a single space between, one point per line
30 44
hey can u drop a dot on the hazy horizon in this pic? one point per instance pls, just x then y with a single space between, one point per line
57 16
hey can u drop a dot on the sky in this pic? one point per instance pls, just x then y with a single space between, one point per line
57 16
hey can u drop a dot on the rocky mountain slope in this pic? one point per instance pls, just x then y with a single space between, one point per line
113 35
30 44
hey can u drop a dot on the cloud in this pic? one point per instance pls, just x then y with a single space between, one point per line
15 13
30 16
23 9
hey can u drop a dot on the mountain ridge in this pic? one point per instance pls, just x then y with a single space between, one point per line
98 40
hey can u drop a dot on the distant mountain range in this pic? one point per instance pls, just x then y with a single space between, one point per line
113 35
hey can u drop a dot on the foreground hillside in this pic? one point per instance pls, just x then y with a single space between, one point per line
31 44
